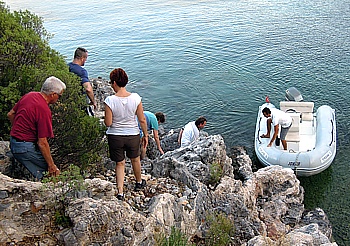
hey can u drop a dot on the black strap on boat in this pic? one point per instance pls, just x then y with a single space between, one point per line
259 131
291 110
332 133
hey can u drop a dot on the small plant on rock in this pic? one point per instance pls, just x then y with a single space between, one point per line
63 188
215 173
176 238
221 230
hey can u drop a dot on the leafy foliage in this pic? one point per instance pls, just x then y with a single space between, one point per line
220 231
26 60
176 238
63 188
216 172
78 137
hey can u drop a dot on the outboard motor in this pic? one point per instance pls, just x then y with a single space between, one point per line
292 94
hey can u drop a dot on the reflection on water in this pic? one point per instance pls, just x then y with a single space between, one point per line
220 59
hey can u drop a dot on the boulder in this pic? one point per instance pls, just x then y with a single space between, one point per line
265 207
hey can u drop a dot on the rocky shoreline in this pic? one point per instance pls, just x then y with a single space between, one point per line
265 207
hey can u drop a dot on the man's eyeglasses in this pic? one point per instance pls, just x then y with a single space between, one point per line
59 95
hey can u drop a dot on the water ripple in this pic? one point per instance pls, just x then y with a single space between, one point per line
218 59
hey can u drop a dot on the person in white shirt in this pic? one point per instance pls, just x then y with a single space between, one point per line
277 117
191 131
123 133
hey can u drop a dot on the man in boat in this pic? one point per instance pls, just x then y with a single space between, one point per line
277 117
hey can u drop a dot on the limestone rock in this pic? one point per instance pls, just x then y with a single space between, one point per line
265 207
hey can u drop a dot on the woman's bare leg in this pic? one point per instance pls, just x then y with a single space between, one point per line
136 167
120 174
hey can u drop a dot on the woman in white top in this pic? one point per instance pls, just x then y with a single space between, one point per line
123 132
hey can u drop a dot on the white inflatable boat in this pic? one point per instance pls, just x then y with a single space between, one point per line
311 140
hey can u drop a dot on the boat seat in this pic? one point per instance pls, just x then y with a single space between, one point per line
296 119
293 137
293 133
293 140
305 108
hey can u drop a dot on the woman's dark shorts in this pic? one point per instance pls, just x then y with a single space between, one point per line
119 144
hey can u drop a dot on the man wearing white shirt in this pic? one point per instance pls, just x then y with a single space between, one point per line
277 117
191 131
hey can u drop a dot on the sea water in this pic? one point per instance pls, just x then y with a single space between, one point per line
220 59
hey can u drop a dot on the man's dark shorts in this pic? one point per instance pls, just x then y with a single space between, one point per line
120 144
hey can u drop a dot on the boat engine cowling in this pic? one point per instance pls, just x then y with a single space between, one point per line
292 94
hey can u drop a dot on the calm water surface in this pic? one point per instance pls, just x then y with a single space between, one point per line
219 59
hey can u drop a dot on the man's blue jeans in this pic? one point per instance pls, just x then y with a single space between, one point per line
29 155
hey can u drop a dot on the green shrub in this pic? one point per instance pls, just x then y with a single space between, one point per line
26 60
216 171
78 137
63 188
176 238
221 230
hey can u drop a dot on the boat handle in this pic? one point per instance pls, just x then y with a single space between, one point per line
259 131
332 132
291 110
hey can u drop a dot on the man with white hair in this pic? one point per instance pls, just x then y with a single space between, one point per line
31 121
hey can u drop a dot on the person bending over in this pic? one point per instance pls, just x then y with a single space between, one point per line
277 117
31 121
191 131
153 121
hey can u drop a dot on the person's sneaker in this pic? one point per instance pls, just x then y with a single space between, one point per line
120 197
139 186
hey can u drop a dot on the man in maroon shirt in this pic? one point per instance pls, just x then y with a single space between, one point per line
31 127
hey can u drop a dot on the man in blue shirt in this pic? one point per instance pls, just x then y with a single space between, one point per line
80 57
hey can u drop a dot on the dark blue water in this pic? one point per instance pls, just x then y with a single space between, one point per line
219 59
